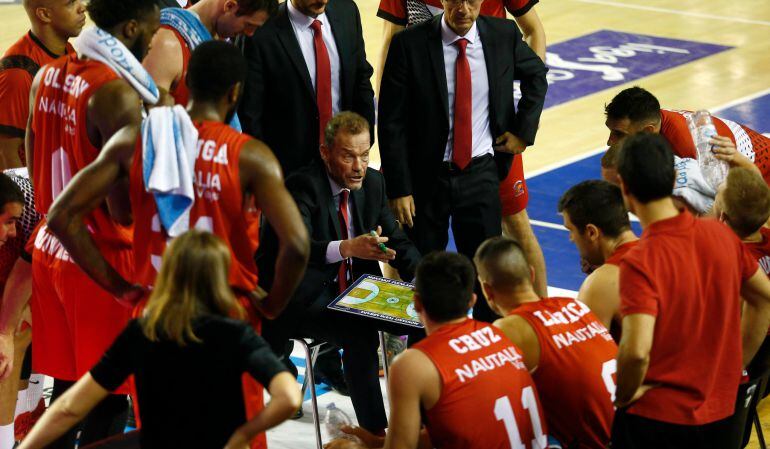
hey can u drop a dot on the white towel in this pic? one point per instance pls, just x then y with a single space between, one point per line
169 144
691 187
97 44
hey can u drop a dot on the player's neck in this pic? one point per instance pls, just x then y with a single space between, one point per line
656 210
754 238
207 12
518 298
49 38
612 244
203 111
433 326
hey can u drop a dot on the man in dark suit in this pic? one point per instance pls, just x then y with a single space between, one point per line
305 65
341 202
448 127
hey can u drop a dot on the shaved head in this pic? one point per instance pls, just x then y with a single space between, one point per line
500 262
63 18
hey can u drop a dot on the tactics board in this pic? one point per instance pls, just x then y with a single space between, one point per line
379 298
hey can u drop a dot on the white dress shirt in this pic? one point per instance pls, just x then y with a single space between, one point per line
482 134
333 254
300 23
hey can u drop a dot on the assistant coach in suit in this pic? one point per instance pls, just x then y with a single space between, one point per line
341 202
448 127
306 64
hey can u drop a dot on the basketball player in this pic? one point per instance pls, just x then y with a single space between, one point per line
598 225
234 176
636 110
470 381
52 24
76 105
169 57
397 15
556 336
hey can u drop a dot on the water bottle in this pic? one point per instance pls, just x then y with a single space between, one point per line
702 129
334 420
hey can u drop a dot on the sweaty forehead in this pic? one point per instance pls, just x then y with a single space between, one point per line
12 210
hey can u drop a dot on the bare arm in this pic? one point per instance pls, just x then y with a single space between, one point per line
65 412
520 332
601 293
285 399
633 357
29 135
534 33
87 190
18 289
164 62
9 151
413 381
261 177
756 314
388 30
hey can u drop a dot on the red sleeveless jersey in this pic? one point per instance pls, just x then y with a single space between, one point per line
576 373
62 146
488 399
179 91
750 143
219 207
619 252
761 250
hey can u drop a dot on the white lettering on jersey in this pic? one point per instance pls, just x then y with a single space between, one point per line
508 356
474 341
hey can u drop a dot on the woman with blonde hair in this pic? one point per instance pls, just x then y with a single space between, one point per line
187 353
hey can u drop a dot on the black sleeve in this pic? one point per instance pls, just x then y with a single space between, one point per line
407 255
258 359
530 70
116 364
363 100
250 110
302 189
393 120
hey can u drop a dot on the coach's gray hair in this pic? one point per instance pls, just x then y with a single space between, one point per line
345 121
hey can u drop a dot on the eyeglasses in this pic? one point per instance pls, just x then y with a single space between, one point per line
471 3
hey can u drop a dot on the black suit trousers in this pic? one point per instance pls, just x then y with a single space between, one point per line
470 198
357 336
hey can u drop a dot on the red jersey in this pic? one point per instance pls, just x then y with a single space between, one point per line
761 250
620 252
750 143
218 207
413 12
487 398
18 67
179 91
62 146
575 375
688 273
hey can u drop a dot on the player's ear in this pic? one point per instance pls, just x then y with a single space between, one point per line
230 6
472 302
418 303
234 93
532 274
131 29
592 232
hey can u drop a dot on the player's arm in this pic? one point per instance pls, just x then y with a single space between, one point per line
633 357
756 313
534 33
29 135
600 292
388 30
520 332
16 294
412 375
9 151
85 192
261 177
164 62
14 90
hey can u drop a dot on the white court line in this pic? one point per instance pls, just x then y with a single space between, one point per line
546 224
700 15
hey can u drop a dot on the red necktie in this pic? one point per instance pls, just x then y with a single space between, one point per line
463 135
342 275
323 80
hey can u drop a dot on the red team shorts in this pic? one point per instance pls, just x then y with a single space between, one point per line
75 320
513 189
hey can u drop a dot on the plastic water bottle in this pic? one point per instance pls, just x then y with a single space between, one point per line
702 129
334 420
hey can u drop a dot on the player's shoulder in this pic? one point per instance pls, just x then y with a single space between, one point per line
115 94
497 25
604 276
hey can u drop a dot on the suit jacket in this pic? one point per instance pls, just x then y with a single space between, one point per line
279 102
311 190
413 105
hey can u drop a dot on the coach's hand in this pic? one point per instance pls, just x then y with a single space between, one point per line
403 209
367 247
6 355
509 143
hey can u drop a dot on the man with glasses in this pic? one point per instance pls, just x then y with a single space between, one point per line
449 129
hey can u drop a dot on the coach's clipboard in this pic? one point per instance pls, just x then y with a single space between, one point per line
379 298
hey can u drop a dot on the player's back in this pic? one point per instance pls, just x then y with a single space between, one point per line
575 374
219 206
488 399
750 143
62 140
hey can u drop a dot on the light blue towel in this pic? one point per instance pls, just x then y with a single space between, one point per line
194 33
169 145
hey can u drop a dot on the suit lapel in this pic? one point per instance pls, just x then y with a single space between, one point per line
490 57
290 44
330 205
436 51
